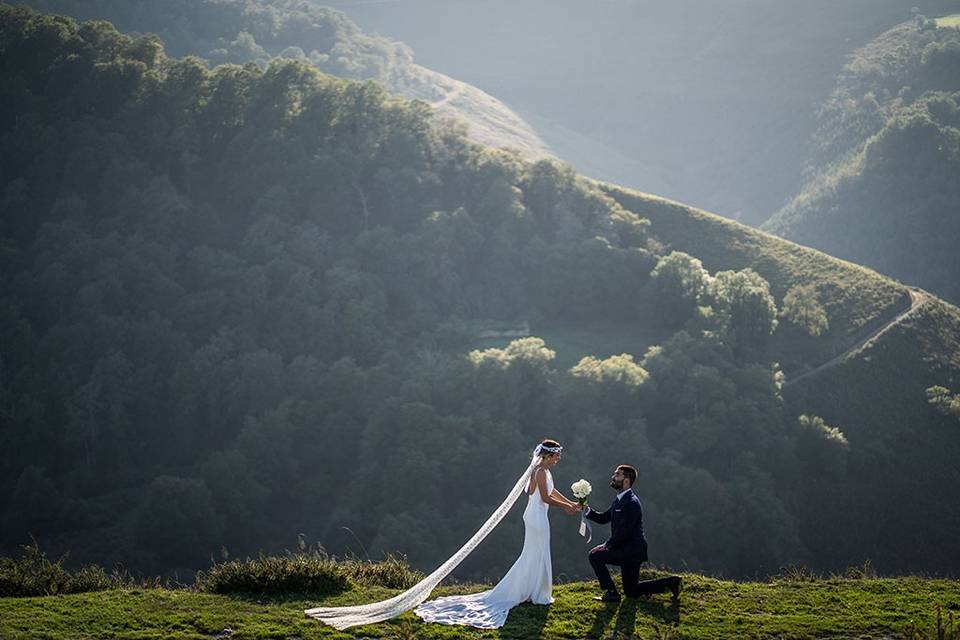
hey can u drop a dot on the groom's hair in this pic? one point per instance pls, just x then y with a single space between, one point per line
629 473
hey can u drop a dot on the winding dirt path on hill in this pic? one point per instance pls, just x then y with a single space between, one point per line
917 299
457 91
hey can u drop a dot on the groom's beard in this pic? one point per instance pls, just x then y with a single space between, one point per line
616 485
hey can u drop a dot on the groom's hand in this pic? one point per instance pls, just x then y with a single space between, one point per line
597 548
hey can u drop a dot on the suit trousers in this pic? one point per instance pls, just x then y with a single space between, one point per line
629 564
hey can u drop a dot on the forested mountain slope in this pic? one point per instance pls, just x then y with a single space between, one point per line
885 171
241 31
242 304
878 395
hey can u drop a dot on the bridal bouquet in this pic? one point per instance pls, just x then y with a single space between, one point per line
581 489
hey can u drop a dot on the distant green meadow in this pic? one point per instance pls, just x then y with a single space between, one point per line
949 21
708 608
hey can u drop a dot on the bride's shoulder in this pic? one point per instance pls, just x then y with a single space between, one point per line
542 474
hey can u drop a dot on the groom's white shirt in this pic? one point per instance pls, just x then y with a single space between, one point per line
619 495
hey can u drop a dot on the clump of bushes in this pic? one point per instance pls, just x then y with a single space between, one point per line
392 572
33 574
274 575
308 570
800 573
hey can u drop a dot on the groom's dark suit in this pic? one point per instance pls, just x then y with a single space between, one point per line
625 516
626 547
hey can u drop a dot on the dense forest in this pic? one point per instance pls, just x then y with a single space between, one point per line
884 174
245 303
241 31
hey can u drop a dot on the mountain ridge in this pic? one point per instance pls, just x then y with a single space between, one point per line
885 162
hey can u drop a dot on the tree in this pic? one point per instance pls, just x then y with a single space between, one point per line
177 520
678 282
944 401
746 313
822 447
613 386
514 382
803 309
99 414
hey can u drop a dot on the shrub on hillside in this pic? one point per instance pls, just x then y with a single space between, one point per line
33 574
393 572
305 572
802 307
295 573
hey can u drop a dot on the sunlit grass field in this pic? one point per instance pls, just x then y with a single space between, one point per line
949 21
708 608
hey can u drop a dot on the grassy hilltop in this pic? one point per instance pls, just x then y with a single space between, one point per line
708 608
265 598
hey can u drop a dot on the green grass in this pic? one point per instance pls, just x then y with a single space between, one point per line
949 21
600 339
708 608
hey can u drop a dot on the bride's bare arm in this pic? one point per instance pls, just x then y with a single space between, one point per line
541 479
570 503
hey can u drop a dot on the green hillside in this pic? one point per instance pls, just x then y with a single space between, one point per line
876 396
884 173
708 608
245 304
857 299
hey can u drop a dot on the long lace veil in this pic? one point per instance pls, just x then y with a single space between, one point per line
346 617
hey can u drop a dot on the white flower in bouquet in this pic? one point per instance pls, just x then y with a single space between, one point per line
581 489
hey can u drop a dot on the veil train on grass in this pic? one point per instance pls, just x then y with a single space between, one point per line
346 617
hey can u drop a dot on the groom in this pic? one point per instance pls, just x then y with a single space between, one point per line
626 547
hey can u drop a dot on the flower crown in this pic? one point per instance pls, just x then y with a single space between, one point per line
556 449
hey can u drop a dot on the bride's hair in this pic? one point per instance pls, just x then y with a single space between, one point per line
550 444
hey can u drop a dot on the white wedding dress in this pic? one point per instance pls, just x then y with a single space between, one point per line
530 578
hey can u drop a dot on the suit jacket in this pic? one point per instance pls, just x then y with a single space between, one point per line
625 516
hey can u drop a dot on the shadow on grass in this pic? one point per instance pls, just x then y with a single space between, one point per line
344 598
602 619
525 621
276 598
626 613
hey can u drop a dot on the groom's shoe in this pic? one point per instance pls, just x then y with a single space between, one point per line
608 596
676 583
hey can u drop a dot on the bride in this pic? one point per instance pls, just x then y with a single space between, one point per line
530 577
